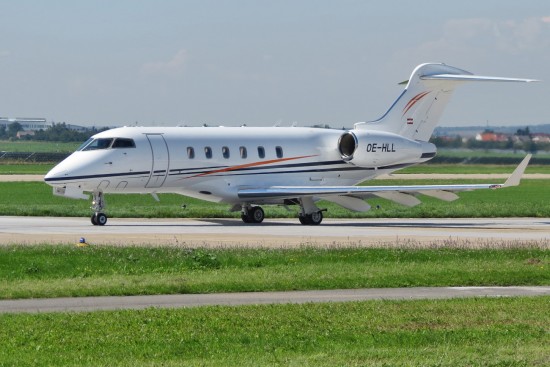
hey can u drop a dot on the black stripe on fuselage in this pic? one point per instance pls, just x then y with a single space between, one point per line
106 175
240 172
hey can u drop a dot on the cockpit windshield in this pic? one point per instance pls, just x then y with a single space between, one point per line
106 143
95 144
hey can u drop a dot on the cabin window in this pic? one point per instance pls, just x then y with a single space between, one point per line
279 152
124 143
97 144
242 150
261 152
208 152
190 152
225 152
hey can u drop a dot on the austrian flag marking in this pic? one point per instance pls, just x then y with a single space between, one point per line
410 121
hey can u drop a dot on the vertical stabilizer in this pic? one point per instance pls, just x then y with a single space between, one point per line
418 109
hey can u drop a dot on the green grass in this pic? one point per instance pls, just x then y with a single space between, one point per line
18 168
460 332
58 271
530 199
37 146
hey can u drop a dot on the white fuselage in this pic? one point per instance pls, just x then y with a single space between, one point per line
213 163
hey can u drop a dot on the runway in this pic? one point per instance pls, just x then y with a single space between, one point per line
476 232
250 298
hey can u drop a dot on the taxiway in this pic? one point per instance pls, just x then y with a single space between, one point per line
275 232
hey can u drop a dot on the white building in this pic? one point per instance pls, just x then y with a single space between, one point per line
28 124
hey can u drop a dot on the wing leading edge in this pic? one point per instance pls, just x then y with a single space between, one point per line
402 194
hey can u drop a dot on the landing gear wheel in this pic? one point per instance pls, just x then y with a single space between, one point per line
99 219
316 218
246 218
312 219
256 214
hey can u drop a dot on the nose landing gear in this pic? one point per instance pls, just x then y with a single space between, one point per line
98 204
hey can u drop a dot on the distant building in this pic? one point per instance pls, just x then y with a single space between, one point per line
28 124
540 138
492 136
21 134
35 124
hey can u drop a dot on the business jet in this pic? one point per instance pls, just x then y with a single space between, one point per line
246 167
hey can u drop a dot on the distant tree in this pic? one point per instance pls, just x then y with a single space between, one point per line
3 132
60 132
523 132
13 129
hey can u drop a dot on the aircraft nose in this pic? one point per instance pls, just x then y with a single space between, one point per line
55 174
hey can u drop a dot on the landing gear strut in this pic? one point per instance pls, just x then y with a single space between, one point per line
98 204
252 214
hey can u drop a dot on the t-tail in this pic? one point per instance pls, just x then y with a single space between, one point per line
416 112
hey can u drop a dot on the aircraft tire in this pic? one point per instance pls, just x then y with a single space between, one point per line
100 218
94 219
315 218
246 218
257 214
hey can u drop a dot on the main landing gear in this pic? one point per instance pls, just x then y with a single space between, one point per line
98 204
312 219
309 215
252 214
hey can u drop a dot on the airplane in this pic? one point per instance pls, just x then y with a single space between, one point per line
247 167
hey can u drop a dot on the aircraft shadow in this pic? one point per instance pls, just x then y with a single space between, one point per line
237 223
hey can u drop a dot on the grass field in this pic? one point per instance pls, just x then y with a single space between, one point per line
58 271
461 332
37 146
530 199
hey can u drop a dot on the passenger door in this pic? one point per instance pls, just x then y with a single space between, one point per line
160 160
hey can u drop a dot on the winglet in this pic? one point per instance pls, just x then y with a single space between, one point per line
515 177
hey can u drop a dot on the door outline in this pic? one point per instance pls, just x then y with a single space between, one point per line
160 160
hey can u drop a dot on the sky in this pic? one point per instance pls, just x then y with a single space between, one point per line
261 63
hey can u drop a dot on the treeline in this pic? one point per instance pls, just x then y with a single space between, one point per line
459 143
57 132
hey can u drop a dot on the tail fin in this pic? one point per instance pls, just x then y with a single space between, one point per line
417 110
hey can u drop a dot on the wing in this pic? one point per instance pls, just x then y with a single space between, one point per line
352 197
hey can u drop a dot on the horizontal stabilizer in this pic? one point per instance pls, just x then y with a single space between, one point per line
474 78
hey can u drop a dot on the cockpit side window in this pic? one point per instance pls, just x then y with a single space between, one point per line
124 143
100 143
85 144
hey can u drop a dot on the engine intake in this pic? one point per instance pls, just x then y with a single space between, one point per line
376 149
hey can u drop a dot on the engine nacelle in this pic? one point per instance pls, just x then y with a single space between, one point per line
372 149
